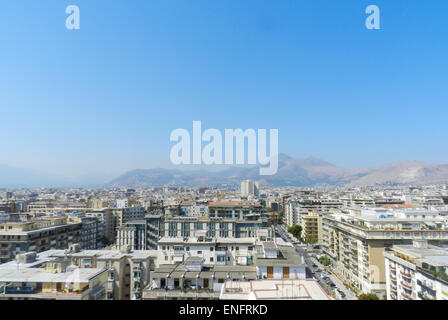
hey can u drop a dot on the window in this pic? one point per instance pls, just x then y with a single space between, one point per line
211 259
187 248
211 248
199 252
163 247
166 258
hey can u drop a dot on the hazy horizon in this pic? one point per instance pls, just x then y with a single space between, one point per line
104 99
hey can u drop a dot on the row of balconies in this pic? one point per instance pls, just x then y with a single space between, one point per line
406 285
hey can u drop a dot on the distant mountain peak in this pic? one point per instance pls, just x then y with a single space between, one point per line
308 171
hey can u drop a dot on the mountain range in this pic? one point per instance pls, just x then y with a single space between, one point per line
291 172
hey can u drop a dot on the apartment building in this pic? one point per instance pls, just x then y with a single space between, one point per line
416 272
312 227
109 222
212 227
213 251
196 277
133 235
128 271
249 188
91 230
38 234
242 210
193 280
154 225
31 279
356 238
296 210
122 215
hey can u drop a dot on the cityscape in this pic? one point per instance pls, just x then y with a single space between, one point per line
218 159
170 243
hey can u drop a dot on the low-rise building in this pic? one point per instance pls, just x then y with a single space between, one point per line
56 279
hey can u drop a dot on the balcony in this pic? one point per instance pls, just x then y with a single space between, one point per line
406 297
406 285
404 274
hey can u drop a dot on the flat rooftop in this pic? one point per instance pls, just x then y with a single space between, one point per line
289 257
307 289
32 275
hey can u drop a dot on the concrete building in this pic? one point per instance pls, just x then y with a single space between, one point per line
123 215
249 188
296 209
416 272
122 203
356 238
57 279
39 234
304 289
193 280
212 227
279 262
213 251
312 227
128 271
242 210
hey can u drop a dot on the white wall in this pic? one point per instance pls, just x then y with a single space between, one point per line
294 272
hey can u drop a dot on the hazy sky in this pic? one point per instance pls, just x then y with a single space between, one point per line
105 98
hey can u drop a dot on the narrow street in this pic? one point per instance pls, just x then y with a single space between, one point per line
316 272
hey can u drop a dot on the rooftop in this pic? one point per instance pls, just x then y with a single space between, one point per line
307 289
32 275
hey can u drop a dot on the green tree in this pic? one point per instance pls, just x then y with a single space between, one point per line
368 296
296 231
325 261
311 239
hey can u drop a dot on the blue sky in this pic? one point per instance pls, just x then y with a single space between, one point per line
105 98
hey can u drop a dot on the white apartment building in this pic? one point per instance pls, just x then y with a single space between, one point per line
356 238
213 251
416 272
122 203
249 188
